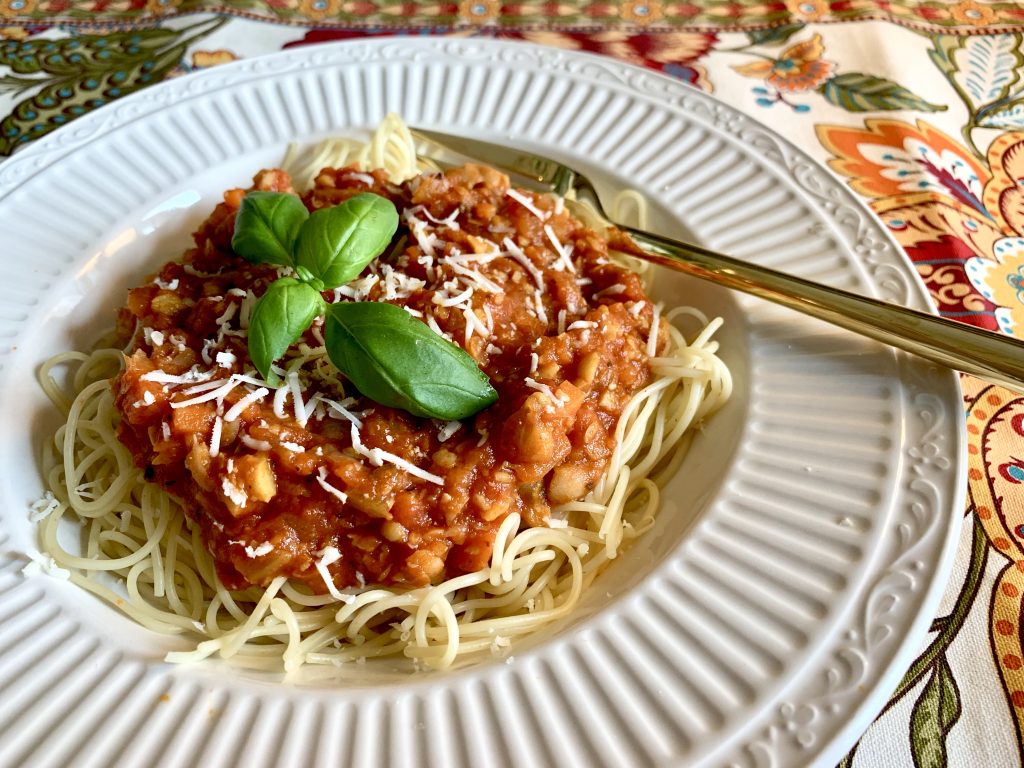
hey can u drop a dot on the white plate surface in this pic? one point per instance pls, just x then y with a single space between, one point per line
793 570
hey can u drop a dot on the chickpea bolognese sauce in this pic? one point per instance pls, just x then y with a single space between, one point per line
290 518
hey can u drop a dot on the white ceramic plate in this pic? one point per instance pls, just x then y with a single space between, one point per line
803 546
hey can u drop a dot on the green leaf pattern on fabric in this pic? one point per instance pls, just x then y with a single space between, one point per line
773 35
1009 116
857 92
935 712
81 73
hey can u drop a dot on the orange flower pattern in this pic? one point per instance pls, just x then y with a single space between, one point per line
799 67
13 8
479 11
937 198
642 11
206 59
970 12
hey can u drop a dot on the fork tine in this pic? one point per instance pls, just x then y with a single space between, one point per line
526 169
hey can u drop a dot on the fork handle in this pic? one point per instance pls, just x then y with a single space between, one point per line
988 355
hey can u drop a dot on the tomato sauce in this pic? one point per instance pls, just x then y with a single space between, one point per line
560 330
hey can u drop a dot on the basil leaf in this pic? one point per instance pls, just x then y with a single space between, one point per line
399 362
336 243
279 318
266 227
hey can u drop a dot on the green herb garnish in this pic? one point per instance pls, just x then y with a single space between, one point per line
384 350
391 357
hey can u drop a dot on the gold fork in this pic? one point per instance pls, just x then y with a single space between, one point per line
991 356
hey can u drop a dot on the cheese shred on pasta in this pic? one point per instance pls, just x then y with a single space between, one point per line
140 554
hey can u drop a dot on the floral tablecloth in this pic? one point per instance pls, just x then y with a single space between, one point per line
917 104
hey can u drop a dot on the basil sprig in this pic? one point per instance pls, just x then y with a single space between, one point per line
391 357
279 318
333 244
383 350
266 227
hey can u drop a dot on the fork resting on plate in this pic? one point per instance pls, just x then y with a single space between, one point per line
988 355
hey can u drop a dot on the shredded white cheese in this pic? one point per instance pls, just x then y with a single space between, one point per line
45 565
42 508
279 397
236 410
237 495
542 314
329 555
527 203
564 252
517 254
378 457
617 288
218 425
169 286
534 384
263 549
217 394
321 478
448 430
342 410
298 405
190 376
226 359
451 301
256 445
652 339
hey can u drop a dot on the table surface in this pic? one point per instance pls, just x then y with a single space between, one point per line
917 104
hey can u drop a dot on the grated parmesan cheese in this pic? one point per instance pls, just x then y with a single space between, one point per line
652 338
263 549
218 425
377 457
42 508
321 478
542 314
256 445
527 203
169 286
517 254
190 376
237 495
41 564
448 430
617 288
226 359
564 252
540 387
329 555
238 408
